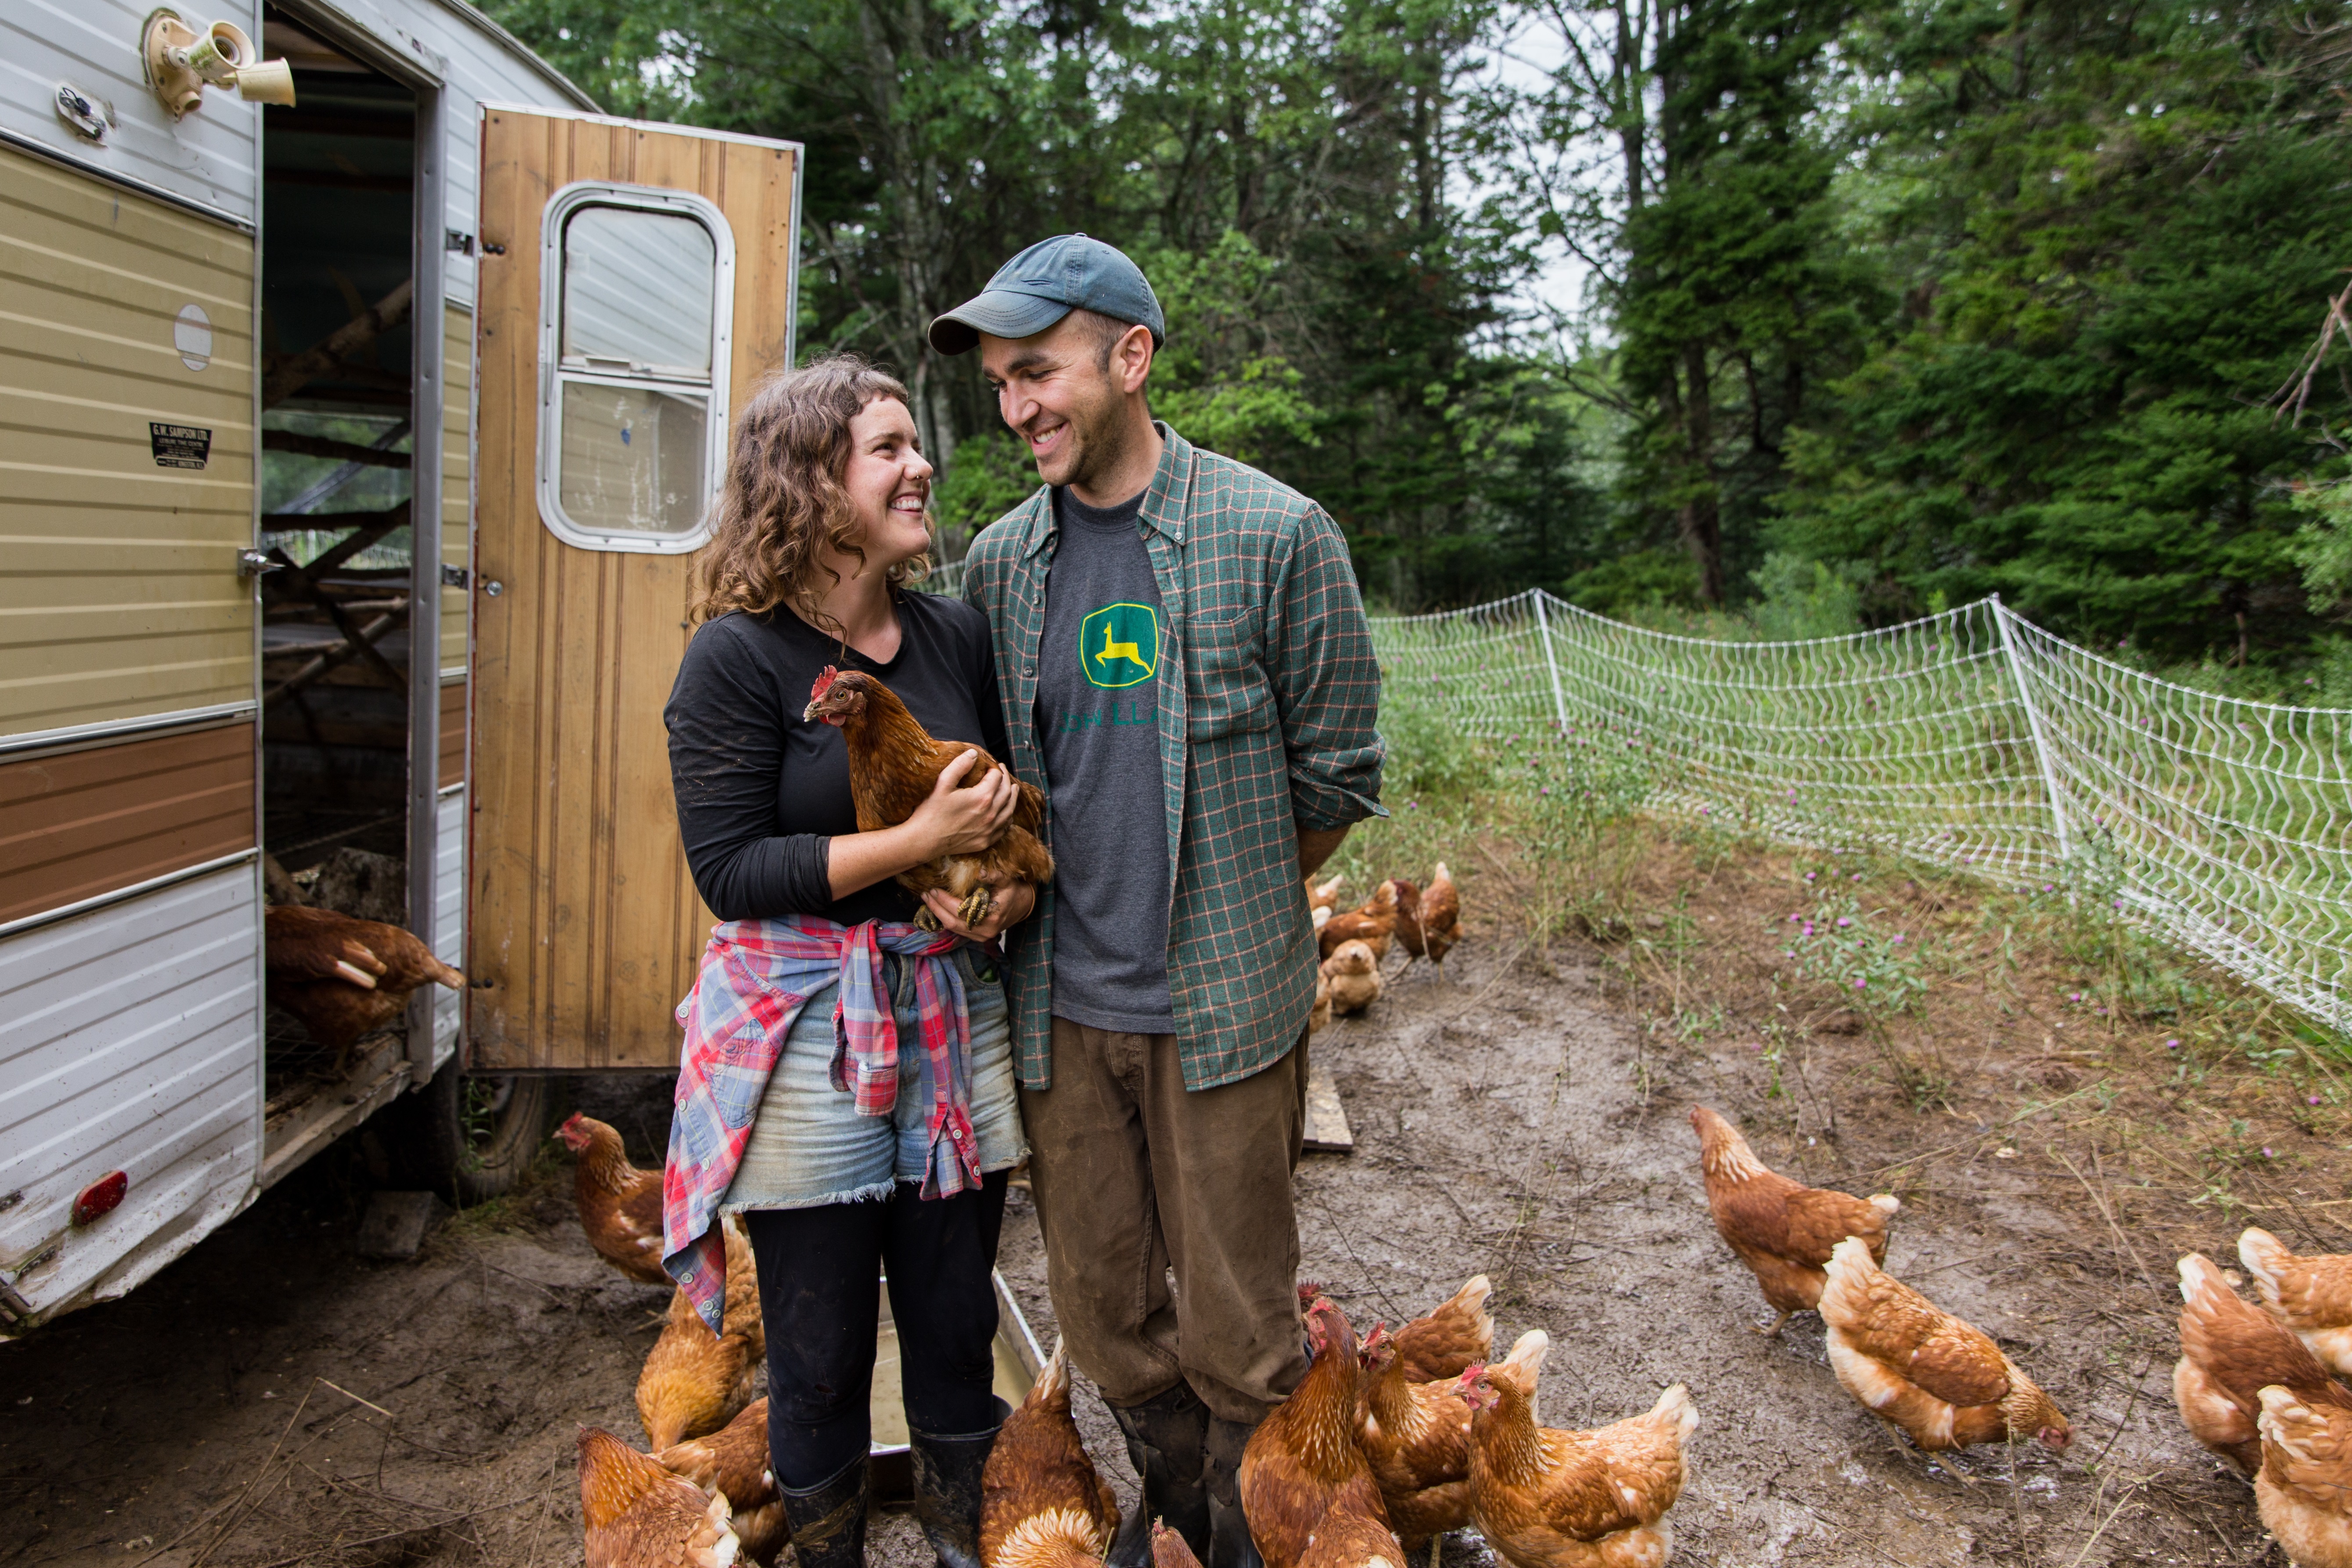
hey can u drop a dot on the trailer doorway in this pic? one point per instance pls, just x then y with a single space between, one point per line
356 782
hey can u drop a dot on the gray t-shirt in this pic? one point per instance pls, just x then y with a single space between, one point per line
1099 725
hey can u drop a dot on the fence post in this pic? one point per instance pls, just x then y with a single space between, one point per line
1543 629
2001 618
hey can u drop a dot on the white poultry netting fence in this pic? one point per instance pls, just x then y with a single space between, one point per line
1972 738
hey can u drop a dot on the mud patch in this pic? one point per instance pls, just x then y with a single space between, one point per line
271 1399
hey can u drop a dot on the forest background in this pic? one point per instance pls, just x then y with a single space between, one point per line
1743 318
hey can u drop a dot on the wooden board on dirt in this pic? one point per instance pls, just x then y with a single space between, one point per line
1327 1119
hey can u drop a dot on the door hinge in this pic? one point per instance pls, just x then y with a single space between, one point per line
463 244
456 577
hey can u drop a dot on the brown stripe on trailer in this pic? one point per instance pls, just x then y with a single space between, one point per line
80 823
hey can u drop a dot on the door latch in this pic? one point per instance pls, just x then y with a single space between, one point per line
257 562
456 576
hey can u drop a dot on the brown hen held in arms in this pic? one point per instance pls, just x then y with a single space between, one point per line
2229 1351
893 765
1042 1503
1783 1231
620 1206
639 1515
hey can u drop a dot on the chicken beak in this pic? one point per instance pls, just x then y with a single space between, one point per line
808 712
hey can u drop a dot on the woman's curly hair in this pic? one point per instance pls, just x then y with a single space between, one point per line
783 504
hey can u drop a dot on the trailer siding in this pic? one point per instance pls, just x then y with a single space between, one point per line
134 1045
206 159
84 822
122 597
449 916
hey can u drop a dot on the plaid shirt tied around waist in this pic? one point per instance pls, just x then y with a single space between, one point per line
1267 696
756 977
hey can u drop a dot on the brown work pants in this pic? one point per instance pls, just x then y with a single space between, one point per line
1134 1176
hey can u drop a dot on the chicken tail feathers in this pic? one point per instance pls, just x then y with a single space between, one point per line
1849 1270
1676 1411
2266 1258
1053 1384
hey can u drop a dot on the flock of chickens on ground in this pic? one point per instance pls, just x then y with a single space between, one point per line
1396 1439
1425 921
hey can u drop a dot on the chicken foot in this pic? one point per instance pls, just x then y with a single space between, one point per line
977 906
1774 1331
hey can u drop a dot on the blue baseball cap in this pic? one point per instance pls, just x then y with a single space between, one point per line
1043 284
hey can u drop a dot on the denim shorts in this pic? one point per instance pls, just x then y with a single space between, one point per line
808 1144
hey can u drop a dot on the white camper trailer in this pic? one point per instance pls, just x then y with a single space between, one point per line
366 393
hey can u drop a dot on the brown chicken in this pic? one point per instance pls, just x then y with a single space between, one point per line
2229 1351
2303 1491
639 1515
894 765
1416 1437
1351 978
1168 1550
694 1380
1323 895
1783 1231
1318 1017
1548 1499
1451 1337
1374 925
1305 1487
344 978
2312 1296
620 1206
1429 920
733 1462
1042 1504
1935 1376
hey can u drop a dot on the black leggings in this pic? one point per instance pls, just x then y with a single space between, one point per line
820 1300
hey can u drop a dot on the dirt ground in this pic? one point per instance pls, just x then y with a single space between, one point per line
272 1399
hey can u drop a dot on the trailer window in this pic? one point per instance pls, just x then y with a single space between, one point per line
636 286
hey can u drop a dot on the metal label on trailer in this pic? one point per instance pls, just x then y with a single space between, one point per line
180 446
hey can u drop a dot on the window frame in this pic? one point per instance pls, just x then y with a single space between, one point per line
553 376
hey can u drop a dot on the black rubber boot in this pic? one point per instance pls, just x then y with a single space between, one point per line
1230 1545
827 1521
1166 1436
947 1488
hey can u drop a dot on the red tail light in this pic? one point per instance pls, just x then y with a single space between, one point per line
100 1197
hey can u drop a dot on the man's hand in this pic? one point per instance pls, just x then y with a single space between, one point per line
1317 844
1016 903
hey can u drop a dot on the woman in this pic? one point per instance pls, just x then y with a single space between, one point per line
822 524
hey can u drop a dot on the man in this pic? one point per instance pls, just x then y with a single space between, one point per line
1187 673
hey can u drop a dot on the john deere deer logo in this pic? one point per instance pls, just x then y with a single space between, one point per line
1118 645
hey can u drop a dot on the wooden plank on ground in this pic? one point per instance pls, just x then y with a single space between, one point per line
1327 1119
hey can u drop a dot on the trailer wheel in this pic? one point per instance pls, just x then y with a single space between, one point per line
468 1138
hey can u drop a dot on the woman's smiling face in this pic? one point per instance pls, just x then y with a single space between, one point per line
890 483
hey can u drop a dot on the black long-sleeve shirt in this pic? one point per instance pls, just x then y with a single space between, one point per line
760 791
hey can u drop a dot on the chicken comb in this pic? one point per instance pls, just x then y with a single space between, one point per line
825 679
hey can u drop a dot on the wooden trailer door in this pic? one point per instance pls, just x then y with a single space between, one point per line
634 281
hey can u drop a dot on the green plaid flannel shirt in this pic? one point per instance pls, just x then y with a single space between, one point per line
1270 728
